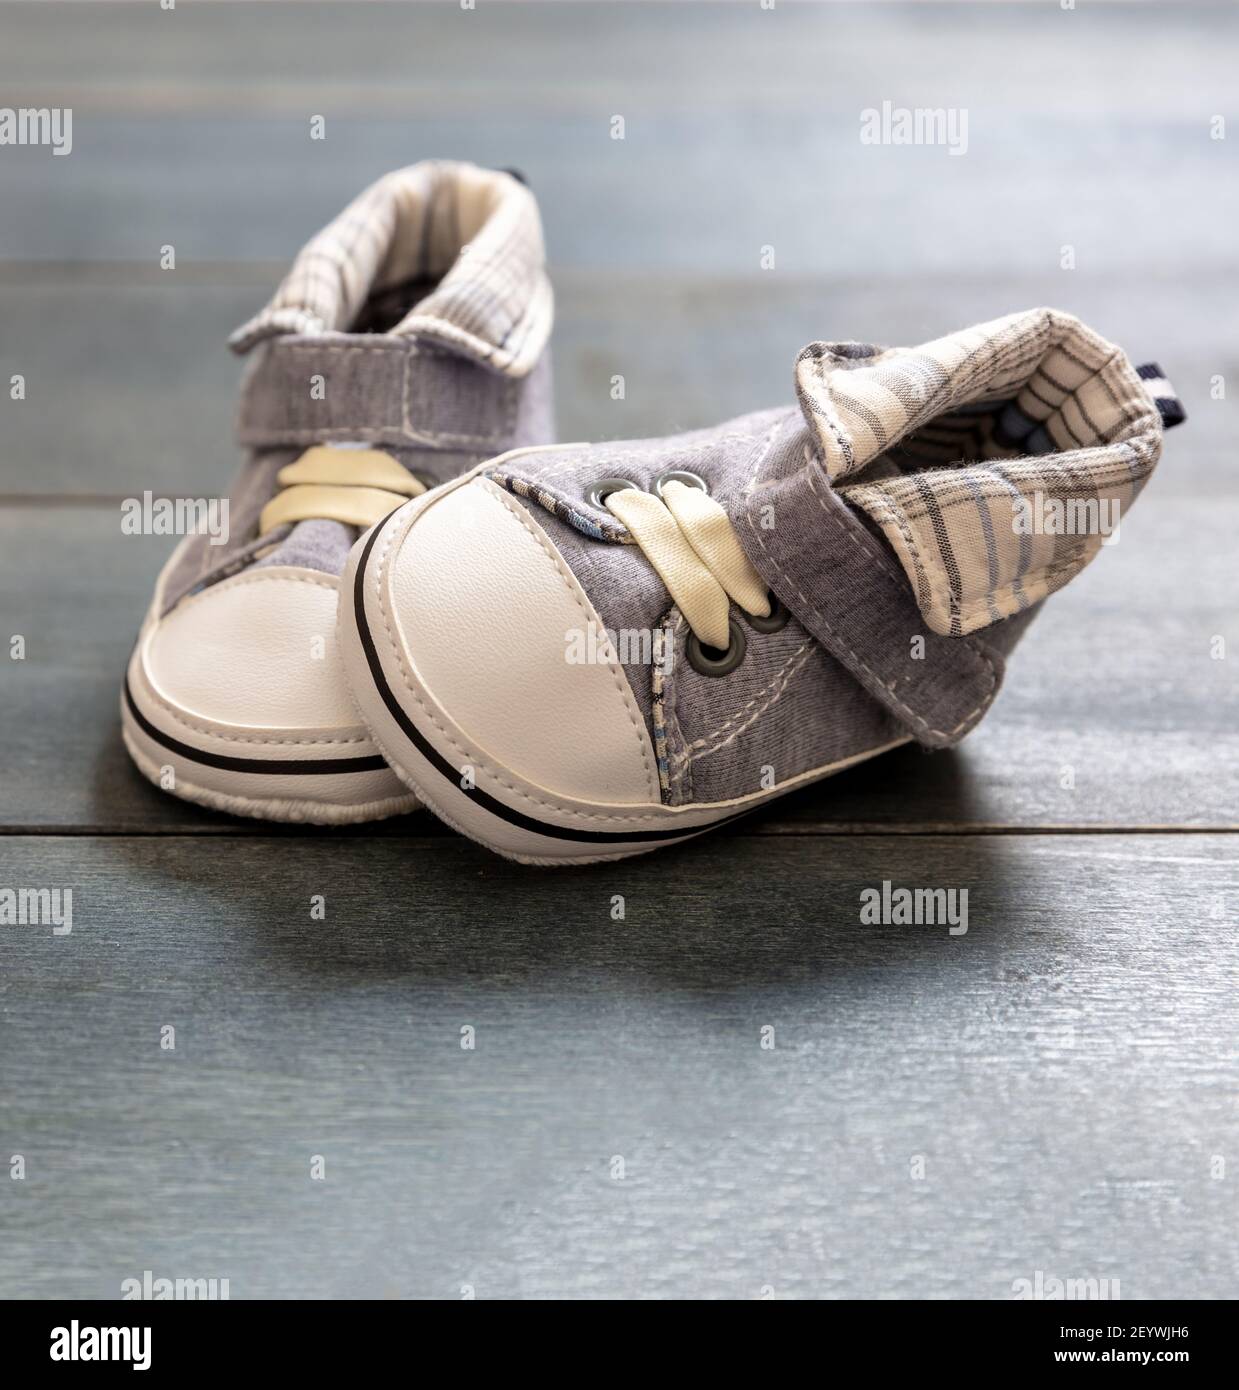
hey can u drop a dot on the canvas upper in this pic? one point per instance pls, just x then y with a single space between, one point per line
407 343
873 554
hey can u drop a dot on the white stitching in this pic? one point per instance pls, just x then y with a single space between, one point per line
402 430
766 698
150 691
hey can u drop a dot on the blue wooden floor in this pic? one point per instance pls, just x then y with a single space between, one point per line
739 1088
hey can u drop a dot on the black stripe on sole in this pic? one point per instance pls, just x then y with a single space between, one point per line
452 774
270 767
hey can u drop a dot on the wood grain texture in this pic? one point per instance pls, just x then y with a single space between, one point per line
742 130
1066 1070
678 54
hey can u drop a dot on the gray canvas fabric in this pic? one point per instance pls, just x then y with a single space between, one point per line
860 665
391 392
788 708
792 705
845 586
417 322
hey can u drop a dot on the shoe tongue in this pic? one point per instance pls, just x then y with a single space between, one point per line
313 545
463 246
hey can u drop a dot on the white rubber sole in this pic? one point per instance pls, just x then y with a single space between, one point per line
457 780
299 790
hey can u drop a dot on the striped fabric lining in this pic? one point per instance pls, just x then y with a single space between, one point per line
560 507
969 452
475 231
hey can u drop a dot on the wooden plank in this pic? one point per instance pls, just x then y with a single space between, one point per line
1065 1070
419 55
683 195
127 387
1115 713
206 145
129 384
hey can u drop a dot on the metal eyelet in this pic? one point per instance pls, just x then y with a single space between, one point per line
597 493
709 661
777 619
679 475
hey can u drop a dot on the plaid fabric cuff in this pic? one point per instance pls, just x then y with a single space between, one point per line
475 232
996 461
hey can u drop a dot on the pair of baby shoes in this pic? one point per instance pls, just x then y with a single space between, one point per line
582 652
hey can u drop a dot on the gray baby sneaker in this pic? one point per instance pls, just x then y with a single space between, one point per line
586 652
406 344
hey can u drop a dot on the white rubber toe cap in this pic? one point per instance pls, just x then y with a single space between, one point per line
257 651
236 699
486 613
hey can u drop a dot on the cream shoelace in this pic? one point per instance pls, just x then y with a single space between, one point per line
689 540
355 486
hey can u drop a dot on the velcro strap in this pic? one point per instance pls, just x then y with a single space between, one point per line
385 391
848 591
